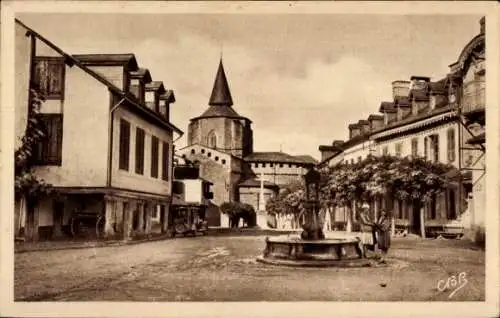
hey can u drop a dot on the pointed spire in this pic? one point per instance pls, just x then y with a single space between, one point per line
221 96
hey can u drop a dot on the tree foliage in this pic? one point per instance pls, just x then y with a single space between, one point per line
411 179
26 183
237 210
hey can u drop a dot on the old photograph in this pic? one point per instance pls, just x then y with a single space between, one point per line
201 157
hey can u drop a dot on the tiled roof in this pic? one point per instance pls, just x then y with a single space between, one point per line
221 95
220 111
168 96
307 158
156 86
356 140
419 94
254 183
386 106
375 117
142 73
278 157
438 87
402 101
72 60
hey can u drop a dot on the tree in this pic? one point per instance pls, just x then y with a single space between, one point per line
236 211
409 179
27 185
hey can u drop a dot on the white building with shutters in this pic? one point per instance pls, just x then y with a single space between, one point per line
108 146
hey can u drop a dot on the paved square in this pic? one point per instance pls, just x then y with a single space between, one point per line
223 268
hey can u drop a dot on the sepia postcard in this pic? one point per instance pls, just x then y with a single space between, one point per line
249 159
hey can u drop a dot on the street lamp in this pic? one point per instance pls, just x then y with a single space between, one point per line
312 229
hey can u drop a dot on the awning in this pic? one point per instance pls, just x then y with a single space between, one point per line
415 125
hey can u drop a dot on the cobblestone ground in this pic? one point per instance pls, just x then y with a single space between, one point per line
224 269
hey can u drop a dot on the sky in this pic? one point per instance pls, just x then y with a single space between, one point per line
301 78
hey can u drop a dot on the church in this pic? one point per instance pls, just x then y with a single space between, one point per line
221 142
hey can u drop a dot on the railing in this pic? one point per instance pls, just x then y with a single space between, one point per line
473 97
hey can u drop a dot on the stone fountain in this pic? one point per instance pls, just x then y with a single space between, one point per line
311 248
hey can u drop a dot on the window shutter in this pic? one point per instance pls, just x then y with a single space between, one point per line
165 160
124 151
154 156
139 151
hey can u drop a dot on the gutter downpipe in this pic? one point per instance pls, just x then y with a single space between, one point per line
110 142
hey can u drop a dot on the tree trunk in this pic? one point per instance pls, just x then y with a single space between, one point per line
349 219
422 221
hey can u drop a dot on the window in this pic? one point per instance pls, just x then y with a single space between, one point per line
139 150
289 165
263 165
212 139
124 151
271 165
400 210
399 149
426 148
452 208
385 150
155 212
451 145
433 208
434 144
49 150
49 76
359 159
414 147
155 143
165 161
281 165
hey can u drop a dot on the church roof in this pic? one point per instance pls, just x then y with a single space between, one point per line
279 157
221 96
220 111
220 101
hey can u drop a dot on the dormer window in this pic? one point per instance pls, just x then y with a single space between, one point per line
163 106
137 88
150 99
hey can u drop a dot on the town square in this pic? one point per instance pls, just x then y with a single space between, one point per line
242 157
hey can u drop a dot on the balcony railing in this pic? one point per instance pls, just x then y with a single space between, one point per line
473 97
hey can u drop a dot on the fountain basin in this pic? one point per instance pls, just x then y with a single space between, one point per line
291 251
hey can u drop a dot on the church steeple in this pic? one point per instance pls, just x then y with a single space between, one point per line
221 96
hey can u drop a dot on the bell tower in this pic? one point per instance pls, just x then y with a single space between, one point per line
220 127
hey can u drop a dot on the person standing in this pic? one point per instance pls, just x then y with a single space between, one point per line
367 227
383 228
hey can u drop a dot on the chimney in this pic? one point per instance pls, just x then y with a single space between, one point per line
389 111
354 130
376 122
419 82
364 126
338 144
482 25
400 89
